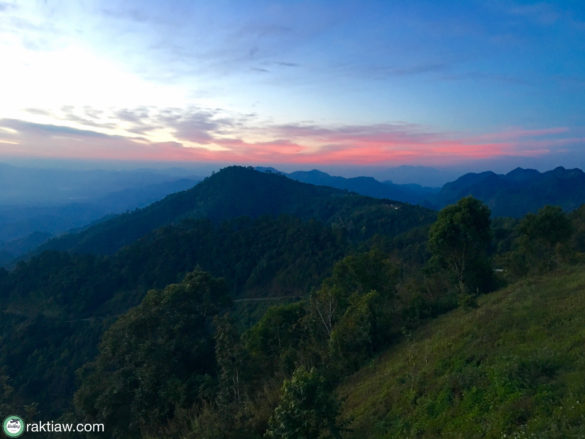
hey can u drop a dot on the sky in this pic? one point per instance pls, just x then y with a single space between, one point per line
295 84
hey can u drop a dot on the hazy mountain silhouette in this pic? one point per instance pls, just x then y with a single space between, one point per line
520 191
369 186
513 194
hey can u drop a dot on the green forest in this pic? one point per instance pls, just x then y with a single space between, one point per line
254 306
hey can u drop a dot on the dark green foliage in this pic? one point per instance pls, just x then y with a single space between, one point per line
275 342
232 363
355 312
577 218
307 410
540 245
459 241
548 227
78 296
262 257
356 274
41 354
353 339
154 359
364 272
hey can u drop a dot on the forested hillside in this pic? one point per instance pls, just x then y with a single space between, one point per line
57 304
238 191
249 320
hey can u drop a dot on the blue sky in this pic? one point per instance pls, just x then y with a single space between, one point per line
295 83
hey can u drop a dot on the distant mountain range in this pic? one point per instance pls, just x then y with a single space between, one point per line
520 191
407 193
227 194
513 194
26 186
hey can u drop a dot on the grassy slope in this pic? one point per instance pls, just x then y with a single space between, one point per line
514 367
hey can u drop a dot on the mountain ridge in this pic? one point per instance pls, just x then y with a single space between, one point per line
364 185
520 191
237 191
514 194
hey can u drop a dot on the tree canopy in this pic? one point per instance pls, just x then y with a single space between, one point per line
460 240
157 357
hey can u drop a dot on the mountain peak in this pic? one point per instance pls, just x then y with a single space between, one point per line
268 170
522 174
232 192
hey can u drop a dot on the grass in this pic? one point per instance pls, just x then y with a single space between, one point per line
512 368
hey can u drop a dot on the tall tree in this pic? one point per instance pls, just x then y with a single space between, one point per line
231 362
541 238
459 242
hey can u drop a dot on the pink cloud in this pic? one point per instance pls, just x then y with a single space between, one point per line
381 144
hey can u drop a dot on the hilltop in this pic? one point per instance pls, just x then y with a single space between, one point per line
238 191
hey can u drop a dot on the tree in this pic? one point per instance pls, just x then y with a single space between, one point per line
231 361
459 242
354 275
307 410
155 359
363 272
275 342
541 238
354 337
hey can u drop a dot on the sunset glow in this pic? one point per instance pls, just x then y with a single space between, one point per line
307 83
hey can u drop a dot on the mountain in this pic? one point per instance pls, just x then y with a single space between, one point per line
520 191
238 191
508 195
271 238
368 186
149 283
513 367
423 175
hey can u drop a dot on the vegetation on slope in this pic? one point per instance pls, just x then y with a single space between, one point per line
513 367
